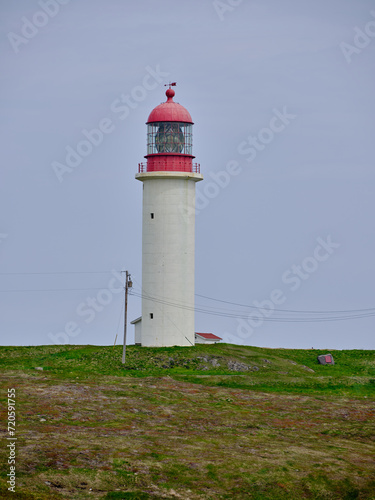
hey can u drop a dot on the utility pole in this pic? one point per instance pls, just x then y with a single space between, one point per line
128 284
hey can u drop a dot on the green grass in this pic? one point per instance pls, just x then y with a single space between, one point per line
182 423
276 370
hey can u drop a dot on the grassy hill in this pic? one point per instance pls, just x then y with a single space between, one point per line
216 422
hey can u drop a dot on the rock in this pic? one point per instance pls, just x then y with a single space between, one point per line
266 361
214 362
308 369
236 366
40 368
326 359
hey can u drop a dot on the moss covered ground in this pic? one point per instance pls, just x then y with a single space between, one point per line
206 422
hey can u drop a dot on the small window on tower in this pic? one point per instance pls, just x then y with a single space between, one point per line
152 215
151 315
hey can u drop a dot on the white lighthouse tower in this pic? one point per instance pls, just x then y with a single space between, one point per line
168 228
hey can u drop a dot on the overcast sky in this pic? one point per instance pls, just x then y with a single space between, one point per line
282 97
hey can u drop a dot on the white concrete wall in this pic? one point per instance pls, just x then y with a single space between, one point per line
168 242
199 340
138 332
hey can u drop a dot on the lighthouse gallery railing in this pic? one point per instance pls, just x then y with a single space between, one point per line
142 167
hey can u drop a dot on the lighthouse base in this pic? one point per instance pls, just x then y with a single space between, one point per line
138 336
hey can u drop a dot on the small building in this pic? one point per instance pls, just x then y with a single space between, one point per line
206 338
137 330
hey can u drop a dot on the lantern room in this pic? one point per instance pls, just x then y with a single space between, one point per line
169 138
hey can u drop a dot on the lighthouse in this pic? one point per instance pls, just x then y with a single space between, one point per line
168 228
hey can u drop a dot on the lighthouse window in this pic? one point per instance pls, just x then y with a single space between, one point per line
152 215
169 137
151 315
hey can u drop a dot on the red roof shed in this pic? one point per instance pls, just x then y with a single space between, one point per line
206 338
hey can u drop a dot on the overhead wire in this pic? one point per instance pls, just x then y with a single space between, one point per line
54 273
236 313
322 315
59 272
289 310
51 289
240 314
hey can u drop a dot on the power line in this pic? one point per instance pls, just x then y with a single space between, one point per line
240 315
289 310
229 313
52 289
59 272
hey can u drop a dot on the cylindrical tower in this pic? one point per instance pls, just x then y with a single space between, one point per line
168 228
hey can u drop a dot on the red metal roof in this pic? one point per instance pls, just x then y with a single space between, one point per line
169 111
210 336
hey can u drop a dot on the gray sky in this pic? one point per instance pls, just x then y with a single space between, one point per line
282 97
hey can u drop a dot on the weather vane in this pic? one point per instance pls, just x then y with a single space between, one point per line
170 84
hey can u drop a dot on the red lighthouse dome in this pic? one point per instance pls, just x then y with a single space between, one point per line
169 111
169 138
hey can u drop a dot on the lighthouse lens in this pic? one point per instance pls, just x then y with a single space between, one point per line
169 137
